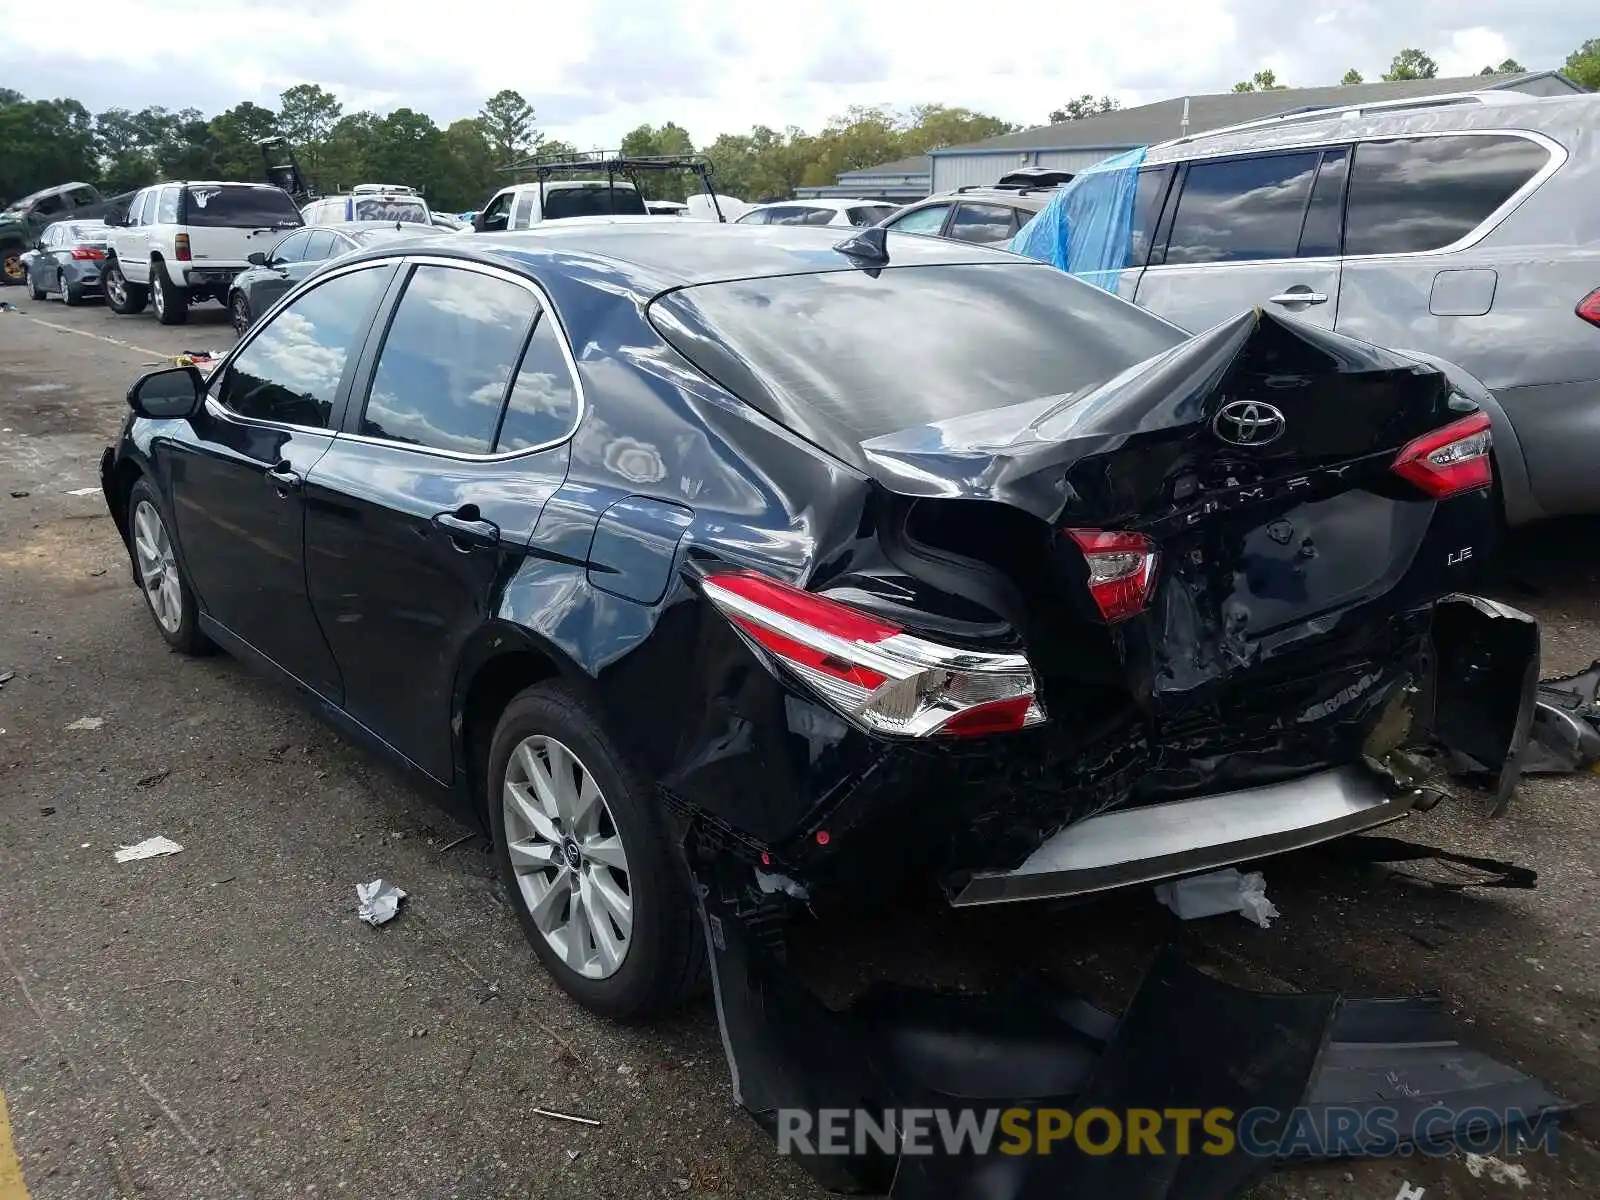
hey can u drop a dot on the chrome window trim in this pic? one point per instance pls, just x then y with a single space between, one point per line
1557 159
216 407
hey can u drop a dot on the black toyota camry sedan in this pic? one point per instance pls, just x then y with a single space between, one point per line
839 563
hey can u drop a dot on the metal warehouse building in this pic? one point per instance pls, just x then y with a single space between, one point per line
1073 145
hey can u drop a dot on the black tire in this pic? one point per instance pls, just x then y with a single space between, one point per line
239 314
185 636
35 292
71 295
123 298
665 957
172 302
12 269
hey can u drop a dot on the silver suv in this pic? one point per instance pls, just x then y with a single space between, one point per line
1462 227
987 216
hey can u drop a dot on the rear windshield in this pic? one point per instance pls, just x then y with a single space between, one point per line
592 200
869 356
236 206
390 208
87 231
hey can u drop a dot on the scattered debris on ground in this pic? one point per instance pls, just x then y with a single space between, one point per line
380 901
1224 891
560 1116
87 723
153 847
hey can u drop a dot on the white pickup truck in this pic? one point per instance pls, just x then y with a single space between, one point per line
177 243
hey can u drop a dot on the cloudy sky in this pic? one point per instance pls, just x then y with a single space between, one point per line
594 70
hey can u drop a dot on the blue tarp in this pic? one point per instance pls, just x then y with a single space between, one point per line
1087 227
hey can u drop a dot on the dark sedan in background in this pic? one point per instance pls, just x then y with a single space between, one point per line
299 255
67 261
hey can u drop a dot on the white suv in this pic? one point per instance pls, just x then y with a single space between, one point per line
181 242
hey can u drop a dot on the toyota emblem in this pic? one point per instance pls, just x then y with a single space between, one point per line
1248 423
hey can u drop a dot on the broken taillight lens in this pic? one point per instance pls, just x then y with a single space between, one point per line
1451 460
873 671
1589 307
1122 570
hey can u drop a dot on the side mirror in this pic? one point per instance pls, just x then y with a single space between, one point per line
477 223
172 394
256 258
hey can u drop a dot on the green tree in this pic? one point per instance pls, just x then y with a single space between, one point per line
408 148
669 139
1509 67
934 125
1084 106
1411 64
1352 76
307 116
507 120
474 174
1261 81
235 134
1583 65
47 142
346 154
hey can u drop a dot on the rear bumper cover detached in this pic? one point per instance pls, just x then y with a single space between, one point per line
1157 841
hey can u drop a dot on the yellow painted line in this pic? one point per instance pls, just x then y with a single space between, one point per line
12 1186
99 337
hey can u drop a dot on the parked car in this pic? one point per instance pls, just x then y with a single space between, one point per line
67 261
524 205
178 243
370 202
1461 227
817 212
449 220
865 558
985 216
304 251
23 222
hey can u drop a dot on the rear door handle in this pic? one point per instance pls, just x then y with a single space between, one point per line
466 529
285 478
1294 297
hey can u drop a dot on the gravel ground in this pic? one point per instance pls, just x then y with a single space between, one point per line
218 1023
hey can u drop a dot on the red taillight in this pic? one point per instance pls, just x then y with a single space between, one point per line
873 671
1589 307
1122 570
88 252
181 245
1451 460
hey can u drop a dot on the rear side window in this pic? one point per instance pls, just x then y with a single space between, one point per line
868 214
1241 209
522 214
544 401
843 351
1324 216
167 211
592 200
984 224
1415 194
447 359
290 371
233 206
320 246
1148 194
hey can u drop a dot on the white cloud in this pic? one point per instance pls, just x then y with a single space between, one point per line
594 71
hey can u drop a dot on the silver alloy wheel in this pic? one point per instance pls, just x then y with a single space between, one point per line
568 856
158 294
116 286
158 569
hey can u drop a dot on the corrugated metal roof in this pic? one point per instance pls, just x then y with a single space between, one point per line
1157 122
917 164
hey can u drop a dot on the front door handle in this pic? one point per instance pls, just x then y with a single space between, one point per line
1301 297
285 478
467 529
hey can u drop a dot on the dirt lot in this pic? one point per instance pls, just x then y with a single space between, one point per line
218 1023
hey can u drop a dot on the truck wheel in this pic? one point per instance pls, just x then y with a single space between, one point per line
12 269
123 298
172 302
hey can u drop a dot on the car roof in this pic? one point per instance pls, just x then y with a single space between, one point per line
1033 197
651 255
836 205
